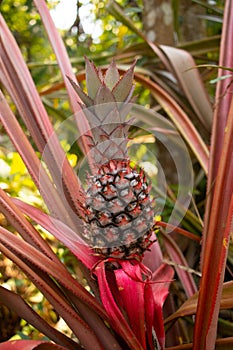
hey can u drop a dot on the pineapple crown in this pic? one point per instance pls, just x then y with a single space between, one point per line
106 106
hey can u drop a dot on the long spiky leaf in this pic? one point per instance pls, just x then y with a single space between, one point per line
43 281
114 312
223 100
23 226
177 257
180 119
61 231
29 104
36 170
191 83
33 256
52 295
190 306
66 70
216 245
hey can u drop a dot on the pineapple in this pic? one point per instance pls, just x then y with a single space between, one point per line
118 210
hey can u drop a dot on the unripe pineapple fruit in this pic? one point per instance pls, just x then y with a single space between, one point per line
118 210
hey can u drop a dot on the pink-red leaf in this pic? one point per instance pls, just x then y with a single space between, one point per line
25 257
215 250
176 61
61 231
223 96
149 317
161 280
31 255
45 284
16 302
18 81
66 70
191 83
118 321
31 345
178 258
223 100
132 294
190 306
153 258
180 119
220 344
31 160
23 226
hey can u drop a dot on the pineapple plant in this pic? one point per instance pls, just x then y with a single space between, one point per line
118 209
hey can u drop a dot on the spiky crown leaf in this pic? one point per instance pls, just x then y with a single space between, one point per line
106 106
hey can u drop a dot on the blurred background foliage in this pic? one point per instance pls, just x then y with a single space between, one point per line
115 38
193 25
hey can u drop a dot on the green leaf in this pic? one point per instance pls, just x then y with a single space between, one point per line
84 97
92 79
124 88
112 76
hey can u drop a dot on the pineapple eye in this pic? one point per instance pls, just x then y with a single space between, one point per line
144 186
121 219
98 183
134 183
131 206
117 178
141 196
118 219
129 176
124 192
